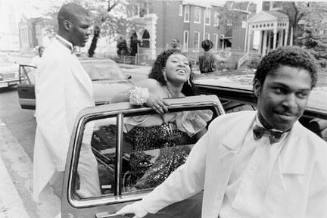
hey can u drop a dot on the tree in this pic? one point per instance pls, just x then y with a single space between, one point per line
101 18
96 34
310 12
109 18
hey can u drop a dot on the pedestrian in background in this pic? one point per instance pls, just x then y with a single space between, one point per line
207 61
35 63
36 60
174 44
260 163
63 90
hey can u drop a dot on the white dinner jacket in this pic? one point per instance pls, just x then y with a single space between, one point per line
63 89
300 190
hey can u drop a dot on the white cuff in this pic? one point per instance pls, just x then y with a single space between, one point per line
138 95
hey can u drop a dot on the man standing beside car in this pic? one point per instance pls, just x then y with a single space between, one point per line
63 90
260 163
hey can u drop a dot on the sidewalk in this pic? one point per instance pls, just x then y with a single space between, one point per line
16 181
11 204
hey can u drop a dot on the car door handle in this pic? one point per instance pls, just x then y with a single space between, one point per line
108 215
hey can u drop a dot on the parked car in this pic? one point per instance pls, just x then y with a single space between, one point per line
8 71
105 74
121 166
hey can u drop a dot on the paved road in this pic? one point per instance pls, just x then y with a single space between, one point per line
17 131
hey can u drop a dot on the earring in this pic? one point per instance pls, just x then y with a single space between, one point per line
164 75
189 82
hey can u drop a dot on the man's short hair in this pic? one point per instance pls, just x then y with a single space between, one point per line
70 11
291 56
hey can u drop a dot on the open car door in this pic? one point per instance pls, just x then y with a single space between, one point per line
122 166
25 89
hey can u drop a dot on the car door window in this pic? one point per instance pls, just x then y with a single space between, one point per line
130 154
95 174
27 74
159 145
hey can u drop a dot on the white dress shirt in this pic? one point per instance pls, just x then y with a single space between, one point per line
249 180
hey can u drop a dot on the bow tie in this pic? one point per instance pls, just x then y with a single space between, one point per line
273 135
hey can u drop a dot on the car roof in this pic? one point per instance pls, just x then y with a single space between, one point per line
241 83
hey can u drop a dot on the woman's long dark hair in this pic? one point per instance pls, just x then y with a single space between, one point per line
160 63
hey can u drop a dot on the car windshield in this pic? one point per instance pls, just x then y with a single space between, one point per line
5 60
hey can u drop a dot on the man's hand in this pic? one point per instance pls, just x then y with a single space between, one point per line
157 103
135 209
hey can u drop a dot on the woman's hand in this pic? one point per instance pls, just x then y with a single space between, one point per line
135 209
157 103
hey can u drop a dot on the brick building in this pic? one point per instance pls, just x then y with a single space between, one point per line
162 21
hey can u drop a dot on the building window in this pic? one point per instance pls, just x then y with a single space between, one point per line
180 10
145 39
196 44
207 16
187 13
207 36
216 19
135 10
216 41
197 15
185 40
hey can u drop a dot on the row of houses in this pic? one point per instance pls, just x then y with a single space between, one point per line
242 27
160 21
189 22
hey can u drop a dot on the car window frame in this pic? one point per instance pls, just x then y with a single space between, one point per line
118 110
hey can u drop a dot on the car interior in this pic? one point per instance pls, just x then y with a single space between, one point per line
150 150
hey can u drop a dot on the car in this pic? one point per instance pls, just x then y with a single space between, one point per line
107 78
8 71
122 167
235 92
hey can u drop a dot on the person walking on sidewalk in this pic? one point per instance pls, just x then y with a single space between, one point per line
63 90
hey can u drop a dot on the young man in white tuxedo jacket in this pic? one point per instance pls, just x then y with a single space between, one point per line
260 163
63 89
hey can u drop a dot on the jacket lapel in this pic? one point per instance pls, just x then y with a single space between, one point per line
221 159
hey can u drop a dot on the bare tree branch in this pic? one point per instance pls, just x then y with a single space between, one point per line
112 6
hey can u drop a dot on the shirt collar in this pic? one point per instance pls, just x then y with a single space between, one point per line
65 43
